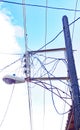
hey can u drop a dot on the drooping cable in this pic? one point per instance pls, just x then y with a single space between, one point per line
4 116
57 35
44 92
74 19
51 74
51 88
9 65
63 115
55 94
3 53
39 6
54 87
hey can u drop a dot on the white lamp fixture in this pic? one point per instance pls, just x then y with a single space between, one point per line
13 79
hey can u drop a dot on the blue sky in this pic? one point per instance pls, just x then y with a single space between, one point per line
36 20
12 41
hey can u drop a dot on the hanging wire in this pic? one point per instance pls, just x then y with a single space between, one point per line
54 87
44 92
4 116
74 19
51 74
39 6
44 86
9 65
64 107
3 53
56 36
46 14
51 87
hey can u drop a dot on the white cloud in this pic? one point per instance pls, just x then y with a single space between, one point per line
8 42
19 32
8 39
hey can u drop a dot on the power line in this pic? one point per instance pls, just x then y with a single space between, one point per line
3 53
40 6
9 65
48 72
44 86
54 87
74 18
56 36
7 106
44 92
59 34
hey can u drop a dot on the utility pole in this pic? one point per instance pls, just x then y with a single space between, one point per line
27 64
72 74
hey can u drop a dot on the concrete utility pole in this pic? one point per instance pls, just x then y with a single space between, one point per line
72 74
27 64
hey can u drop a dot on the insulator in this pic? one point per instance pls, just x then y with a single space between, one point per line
24 60
25 71
25 66
24 55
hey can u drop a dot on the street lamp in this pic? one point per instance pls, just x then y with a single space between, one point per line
13 79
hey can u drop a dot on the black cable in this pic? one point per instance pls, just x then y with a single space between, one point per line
3 53
54 76
55 36
64 107
52 98
53 68
47 7
51 40
54 87
37 82
74 18
50 73
54 60
7 106
40 6
9 65
51 88
59 34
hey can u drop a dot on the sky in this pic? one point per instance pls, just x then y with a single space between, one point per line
42 25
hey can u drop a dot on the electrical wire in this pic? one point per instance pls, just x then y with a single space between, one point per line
51 73
51 88
51 40
74 19
3 53
64 111
53 68
46 44
37 82
44 92
50 58
54 87
52 98
39 6
47 70
9 65
4 116
56 36
59 33
54 58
